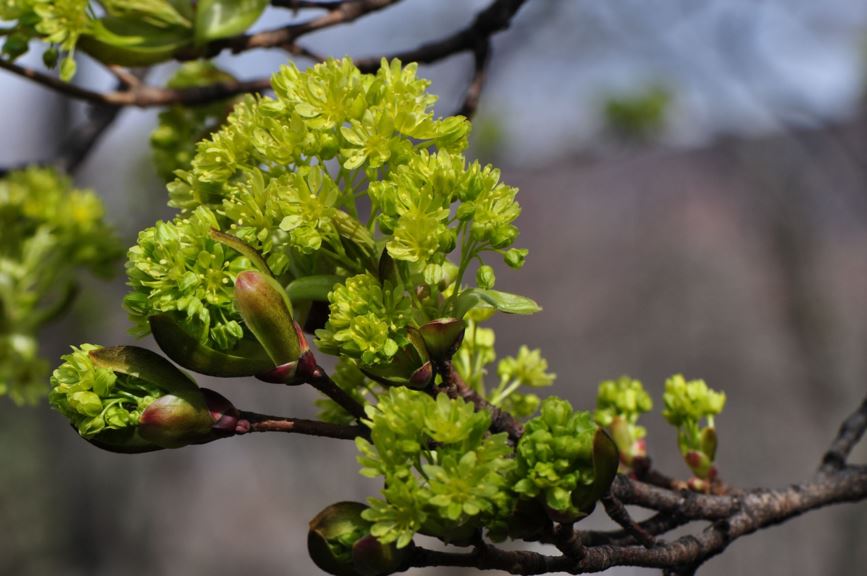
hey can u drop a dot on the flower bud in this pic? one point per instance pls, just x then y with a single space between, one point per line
443 337
409 366
370 557
248 358
699 463
129 399
267 312
172 421
339 542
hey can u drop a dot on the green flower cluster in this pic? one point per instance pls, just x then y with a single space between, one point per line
286 175
619 403
173 141
94 399
526 370
48 231
368 320
687 404
555 456
444 474
178 268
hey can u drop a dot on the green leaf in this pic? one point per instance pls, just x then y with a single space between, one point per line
223 18
246 359
312 287
502 301
129 41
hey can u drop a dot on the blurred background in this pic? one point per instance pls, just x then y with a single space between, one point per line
693 179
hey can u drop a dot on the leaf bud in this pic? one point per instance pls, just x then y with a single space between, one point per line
485 277
442 337
267 312
339 542
246 359
606 459
129 399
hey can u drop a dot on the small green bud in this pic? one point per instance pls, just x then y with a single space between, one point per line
485 277
265 308
515 257
49 57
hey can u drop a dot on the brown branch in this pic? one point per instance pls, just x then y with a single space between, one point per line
754 510
141 96
684 503
495 18
847 437
323 382
617 512
481 57
263 423
476 37
343 13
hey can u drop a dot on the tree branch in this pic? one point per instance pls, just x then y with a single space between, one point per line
341 13
262 423
481 57
495 18
141 96
851 431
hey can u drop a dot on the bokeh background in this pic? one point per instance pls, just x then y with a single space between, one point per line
693 178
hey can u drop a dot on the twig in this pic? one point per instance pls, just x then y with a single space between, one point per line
263 423
344 13
323 382
142 96
501 421
851 431
481 57
617 512
495 18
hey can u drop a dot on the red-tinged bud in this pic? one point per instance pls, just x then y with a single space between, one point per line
442 337
332 539
639 448
622 435
370 557
267 312
302 370
699 463
224 415
410 366
422 377
171 421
